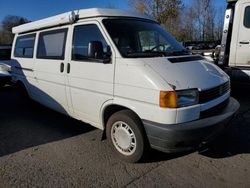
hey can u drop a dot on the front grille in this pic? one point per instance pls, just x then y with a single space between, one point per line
215 110
210 94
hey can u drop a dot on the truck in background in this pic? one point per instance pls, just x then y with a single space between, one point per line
234 55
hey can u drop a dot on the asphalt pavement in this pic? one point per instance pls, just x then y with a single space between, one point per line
42 148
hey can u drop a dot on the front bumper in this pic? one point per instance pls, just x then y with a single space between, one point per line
188 136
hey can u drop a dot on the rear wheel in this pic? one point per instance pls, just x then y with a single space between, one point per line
126 135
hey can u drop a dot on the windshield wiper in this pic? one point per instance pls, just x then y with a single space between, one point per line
146 54
180 52
170 53
157 53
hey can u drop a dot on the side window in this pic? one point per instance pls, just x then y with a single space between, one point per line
25 46
247 17
51 44
83 35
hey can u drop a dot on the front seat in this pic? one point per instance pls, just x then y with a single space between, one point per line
124 45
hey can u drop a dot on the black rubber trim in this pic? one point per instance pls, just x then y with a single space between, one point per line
213 93
214 110
22 68
185 59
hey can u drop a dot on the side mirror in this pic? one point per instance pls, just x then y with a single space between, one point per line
95 52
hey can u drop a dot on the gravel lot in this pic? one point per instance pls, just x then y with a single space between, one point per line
42 148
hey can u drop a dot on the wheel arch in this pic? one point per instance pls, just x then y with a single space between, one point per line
110 108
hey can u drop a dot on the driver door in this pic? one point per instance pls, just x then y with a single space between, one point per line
90 81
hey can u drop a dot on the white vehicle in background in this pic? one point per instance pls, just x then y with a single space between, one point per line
122 73
235 46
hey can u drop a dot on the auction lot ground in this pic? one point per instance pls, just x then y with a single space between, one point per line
42 148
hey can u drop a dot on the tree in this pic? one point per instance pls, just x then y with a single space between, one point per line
166 12
200 21
189 30
6 36
219 22
161 10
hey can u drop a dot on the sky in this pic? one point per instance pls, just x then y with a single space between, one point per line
38 9
220 3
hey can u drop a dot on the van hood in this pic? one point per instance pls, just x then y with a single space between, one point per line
188 74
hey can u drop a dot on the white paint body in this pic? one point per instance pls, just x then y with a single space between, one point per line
134 83
239 56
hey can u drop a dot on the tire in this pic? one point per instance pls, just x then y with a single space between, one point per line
126 136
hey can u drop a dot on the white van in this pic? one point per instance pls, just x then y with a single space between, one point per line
122 73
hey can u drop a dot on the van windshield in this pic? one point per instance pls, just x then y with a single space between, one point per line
137 38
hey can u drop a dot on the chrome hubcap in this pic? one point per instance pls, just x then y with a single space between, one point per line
123 138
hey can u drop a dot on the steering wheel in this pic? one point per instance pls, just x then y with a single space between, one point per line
157 46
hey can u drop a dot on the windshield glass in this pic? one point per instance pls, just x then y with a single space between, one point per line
142 38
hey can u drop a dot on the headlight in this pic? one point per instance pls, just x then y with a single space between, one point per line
4 67
187 97
177 99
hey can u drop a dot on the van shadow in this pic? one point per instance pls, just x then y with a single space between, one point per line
235 140
24 123
158 156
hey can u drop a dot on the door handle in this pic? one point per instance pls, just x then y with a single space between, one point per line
68 68
62 67
244 42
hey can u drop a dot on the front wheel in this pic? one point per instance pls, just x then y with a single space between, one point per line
125 133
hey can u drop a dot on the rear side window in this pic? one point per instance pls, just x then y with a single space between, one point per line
84 34
25 46
51 44
247 17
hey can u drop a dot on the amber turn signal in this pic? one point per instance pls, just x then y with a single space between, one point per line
168 99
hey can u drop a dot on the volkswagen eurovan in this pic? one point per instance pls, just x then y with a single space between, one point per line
124 74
